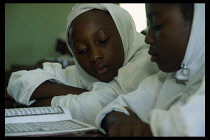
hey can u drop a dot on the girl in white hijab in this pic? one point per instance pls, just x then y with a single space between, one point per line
168 104
85 106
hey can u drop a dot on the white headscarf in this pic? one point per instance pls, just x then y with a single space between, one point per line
194 59
164 100
131 39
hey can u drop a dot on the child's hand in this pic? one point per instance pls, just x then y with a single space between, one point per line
120 124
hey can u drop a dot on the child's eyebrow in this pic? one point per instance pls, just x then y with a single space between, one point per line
97 30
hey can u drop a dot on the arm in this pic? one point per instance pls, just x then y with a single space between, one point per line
42 102
47 90
119 124
50 89
22 84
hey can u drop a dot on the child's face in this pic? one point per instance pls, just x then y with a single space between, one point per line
168 35
97 45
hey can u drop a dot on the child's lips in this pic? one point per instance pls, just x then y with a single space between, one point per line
101 70
154 58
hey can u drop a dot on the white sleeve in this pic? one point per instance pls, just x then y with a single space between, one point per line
141 104
85 106
181 119
141 101
23 83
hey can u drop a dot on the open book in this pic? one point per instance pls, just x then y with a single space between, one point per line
35 121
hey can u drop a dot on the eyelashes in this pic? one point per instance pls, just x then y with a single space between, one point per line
100 43
157 27
103 41
81 51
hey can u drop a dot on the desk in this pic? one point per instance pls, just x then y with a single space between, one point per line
87 134
83 134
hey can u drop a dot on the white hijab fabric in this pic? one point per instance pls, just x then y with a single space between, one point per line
174 103
84 107
131 39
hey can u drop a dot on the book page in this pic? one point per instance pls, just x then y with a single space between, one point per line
46 128
42 121
33 111
36 114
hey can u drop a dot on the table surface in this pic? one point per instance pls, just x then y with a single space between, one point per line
87 134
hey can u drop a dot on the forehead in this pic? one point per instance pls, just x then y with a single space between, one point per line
94 18
161 10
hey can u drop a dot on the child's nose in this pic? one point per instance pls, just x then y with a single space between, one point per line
149 39
96 56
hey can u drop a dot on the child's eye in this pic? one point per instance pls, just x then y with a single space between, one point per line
103 41
82 51
157 27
